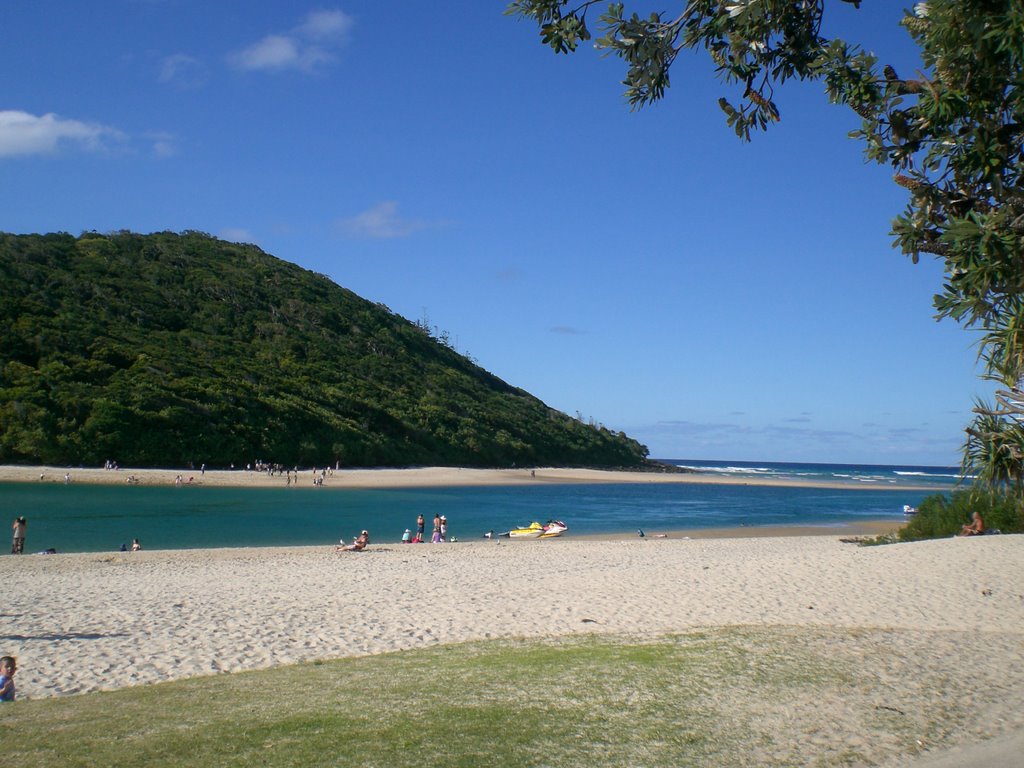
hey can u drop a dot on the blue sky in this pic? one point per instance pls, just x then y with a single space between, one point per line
646 270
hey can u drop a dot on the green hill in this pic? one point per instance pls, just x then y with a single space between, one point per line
158 350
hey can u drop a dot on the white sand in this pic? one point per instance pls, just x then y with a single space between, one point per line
932 627
421 477
88 622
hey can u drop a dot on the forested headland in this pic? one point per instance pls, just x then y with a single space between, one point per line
164 349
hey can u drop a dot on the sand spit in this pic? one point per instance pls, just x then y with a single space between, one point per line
422 477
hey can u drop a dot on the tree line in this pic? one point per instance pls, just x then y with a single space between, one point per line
165 349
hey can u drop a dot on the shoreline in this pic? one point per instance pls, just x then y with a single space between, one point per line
860 528
416 477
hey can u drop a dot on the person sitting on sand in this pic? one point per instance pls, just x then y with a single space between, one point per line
975 527
356 546
136 545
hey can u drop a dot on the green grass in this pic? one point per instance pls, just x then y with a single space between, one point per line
720 697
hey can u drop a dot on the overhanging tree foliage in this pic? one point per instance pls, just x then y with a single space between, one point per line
952 132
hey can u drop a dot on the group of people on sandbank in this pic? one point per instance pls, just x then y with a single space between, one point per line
439 535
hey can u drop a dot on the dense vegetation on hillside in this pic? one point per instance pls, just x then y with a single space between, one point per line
164 349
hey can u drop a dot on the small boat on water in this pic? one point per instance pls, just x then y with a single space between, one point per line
535 530
909 511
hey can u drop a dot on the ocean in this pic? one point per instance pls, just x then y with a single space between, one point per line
90 518
865 475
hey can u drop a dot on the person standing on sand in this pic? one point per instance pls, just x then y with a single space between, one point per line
420 523
18 536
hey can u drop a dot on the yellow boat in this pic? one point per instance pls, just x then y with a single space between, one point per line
532 531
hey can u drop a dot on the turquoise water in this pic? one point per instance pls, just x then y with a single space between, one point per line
80 518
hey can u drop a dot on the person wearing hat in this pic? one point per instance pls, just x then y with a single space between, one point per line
405 536
356 546
444 528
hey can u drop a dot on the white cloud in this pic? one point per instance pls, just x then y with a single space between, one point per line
237 235
381 222
785 442
163 144
325 25
304 48
272 52
183 71
22 133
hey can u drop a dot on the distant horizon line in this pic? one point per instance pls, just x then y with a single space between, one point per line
955 467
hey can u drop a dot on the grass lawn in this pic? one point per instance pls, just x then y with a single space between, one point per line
722 697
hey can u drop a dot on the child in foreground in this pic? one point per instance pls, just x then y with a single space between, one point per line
7 667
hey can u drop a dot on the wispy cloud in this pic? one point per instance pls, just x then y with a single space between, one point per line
237 235
22 133
163 144
325 25
306 47
804 419
183 71
566 330
786 442
381 222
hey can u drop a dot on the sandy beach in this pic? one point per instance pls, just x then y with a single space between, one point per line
950 609
417 477
936 626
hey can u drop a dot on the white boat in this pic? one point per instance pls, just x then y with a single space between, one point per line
554 528
535 530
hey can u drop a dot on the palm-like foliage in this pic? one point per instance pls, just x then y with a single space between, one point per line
994 450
